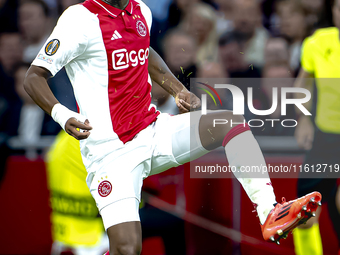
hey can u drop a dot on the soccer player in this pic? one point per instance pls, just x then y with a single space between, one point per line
319 60
104 46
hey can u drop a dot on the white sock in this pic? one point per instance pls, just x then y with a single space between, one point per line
243 150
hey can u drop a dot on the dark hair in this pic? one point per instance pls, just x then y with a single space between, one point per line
326 17
42 4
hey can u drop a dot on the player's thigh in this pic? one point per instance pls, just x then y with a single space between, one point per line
116 188
186 137
176 141
325 153
214 126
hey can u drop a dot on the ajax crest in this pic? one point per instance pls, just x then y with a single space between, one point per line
141 28
104 188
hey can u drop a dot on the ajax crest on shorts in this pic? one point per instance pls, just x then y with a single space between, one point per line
104 188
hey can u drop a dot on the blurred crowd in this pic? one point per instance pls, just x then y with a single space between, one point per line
24 28
228 39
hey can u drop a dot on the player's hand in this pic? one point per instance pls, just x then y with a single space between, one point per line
186 100
304 133
72 126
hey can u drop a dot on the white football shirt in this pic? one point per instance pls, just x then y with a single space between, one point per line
105 52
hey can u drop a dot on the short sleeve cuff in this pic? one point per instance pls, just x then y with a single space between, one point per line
45 62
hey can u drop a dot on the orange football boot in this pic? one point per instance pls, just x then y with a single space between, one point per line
288 215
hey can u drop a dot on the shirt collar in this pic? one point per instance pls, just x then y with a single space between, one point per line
113 11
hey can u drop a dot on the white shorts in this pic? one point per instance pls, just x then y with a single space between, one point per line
115 182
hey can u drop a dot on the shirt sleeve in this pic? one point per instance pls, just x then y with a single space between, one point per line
307 61
67 41
146 13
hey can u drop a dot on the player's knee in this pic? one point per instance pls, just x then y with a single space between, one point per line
230 121
215 126
127 249
237 119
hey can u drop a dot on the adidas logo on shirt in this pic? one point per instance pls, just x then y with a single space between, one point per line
116 35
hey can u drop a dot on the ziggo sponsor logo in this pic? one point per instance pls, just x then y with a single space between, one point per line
122 59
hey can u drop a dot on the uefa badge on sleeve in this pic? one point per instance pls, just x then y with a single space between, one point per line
104 188
52 47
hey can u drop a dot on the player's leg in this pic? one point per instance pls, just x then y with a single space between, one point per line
325 150
241 150
333 209
125 238
307 238
121 221
116 189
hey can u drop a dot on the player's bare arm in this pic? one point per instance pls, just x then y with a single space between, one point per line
304 132
161 74
304 81
37 87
